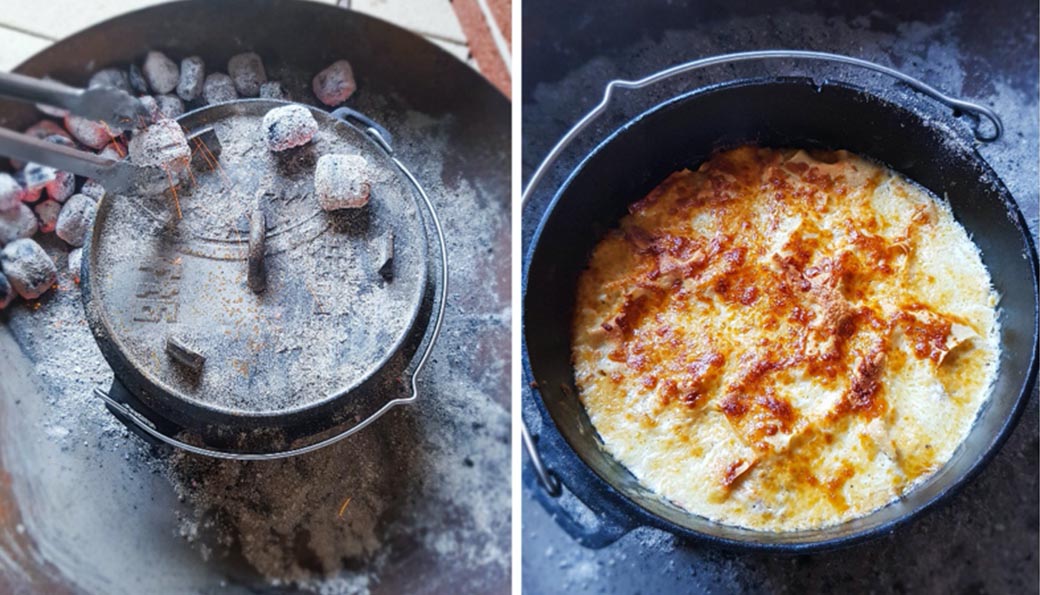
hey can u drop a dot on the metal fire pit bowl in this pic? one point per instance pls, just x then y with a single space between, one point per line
205 363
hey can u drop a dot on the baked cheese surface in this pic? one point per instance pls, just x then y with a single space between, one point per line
783 340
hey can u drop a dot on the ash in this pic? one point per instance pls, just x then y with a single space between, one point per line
428 484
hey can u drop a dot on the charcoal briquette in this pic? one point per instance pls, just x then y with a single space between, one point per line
29 194
42 129
152 107
114 151
161 72
162 145
92 134
45 128
219 88
75 220
47 214
10 192
248 73
75 262
170 106
335 84
28 268
34 178
18 222
342 182
62 186
93 189
110 77
137 80
6 292
64 141
289 126
193 76
274 90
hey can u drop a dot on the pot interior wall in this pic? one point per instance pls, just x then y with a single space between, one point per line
781 113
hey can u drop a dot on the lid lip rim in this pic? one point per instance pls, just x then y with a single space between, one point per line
192 413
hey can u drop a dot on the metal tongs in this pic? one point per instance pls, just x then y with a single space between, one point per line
116 108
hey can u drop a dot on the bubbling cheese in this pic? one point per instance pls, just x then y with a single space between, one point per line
785 340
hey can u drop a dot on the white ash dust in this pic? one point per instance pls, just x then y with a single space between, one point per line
928 51
292 519
66 357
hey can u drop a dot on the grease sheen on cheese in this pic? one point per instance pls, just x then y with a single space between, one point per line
783 340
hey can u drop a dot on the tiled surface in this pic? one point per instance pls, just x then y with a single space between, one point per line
16 46
55 19
27 26
432 18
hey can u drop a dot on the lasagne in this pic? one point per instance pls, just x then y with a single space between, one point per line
784 340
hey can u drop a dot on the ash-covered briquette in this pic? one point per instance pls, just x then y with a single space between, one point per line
41 130
62 186
65 141
289 126
75 220
137 81
92 134
193 76
110 77
274 90
152 107
17 223
162 145
93 189
10 192
74 264
248 73
161 72
219 88
47 214
335 84
113 150
170 106
342 182
34 179
45 128
6 292
28 268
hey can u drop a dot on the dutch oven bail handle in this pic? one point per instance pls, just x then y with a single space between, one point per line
977 111
613 526
164 433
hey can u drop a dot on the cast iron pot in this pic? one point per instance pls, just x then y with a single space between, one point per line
216 30
682 132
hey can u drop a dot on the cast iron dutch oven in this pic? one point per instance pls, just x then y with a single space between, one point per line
682 132
334 341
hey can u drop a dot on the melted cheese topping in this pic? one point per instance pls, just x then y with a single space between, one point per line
783 340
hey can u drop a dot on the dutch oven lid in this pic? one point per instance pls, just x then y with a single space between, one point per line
165 278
